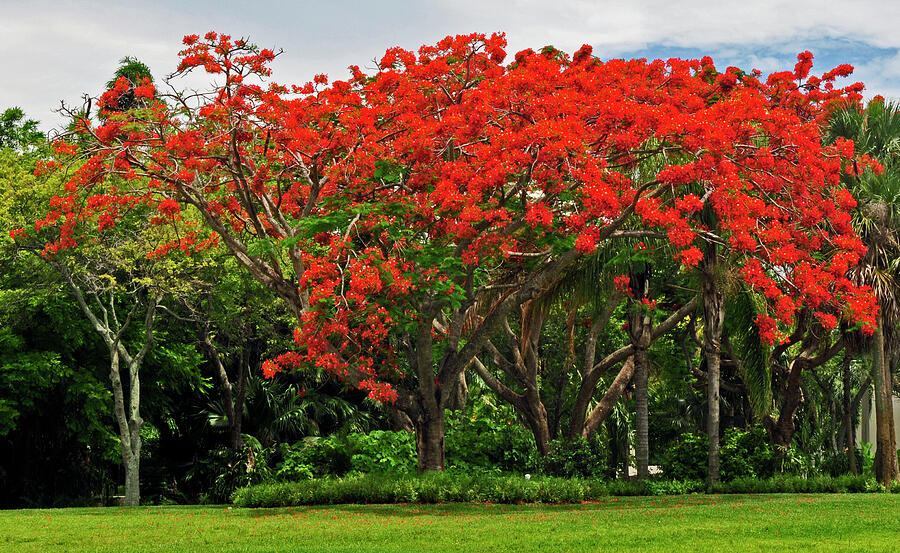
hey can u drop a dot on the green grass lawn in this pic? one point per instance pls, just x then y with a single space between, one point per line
733 523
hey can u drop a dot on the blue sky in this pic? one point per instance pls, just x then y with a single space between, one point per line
58 50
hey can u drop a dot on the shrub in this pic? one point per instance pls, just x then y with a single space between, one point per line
449 487
337 455
578 458
488 439
836 465
687 459
747 453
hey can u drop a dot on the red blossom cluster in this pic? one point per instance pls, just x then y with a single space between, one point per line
385 192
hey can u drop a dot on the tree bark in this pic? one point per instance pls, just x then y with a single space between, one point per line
714 319
642 415
885 445
430 442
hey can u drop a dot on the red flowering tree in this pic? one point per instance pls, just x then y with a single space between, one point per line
403 215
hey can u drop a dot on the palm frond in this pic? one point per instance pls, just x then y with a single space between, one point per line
751 352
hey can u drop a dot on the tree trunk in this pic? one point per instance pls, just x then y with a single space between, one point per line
783 431
891 448
428 417
847 422
129 429
603 409
430 441
133 479
886 445
882 468
540 427
642 415
639 327
714 318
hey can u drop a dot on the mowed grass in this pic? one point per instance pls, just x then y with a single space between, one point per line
732 523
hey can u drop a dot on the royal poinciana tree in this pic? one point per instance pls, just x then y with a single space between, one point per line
403 215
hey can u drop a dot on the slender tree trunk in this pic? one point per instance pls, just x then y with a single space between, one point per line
232 411
714 319
626 449
639 327
882 426
886 469
891 448
642 414
847 423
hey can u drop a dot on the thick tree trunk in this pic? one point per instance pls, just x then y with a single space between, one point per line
428 417
783 431
714 318
430 441
133 480
540 428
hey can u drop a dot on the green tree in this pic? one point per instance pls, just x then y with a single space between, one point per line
17 132
875 132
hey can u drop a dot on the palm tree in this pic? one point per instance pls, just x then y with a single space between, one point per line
875 131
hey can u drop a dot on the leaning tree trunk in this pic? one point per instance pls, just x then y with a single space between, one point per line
714 319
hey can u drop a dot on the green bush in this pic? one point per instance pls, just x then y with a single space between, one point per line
687 459
836 465
747 454
788 483
579 458
337 455
743 454
383 451
488 439
237 470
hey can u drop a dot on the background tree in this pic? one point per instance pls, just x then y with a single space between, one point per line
875 134
17 132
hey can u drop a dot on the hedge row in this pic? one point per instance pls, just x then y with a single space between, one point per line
446 487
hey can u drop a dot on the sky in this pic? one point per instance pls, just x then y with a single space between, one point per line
53 51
